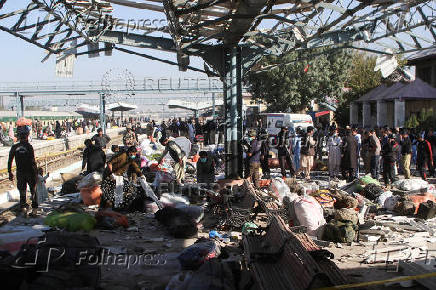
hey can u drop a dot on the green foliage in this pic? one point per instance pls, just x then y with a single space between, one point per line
425 121
361 79
290 82
412 122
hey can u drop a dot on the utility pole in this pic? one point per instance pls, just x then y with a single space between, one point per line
213 106
102 112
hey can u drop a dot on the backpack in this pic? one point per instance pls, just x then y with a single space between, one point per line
340 231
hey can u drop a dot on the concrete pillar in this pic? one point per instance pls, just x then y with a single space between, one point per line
382 113
399 113
366 115
354 113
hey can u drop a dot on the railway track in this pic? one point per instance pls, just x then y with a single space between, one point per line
49 162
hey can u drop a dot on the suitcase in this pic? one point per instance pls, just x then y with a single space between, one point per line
427 210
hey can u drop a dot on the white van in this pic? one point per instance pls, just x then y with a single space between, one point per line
273 122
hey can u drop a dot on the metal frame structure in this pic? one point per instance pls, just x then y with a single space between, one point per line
230 36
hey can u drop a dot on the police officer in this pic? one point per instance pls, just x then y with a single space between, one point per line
284 152
264 153
26 171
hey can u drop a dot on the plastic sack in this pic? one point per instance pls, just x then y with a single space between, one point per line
90 180
383 197
146 147
310 214
149 192
410 184
91 195
194 256
279 189
71 221
367 179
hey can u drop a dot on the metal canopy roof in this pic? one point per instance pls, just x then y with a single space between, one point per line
121 107
203 27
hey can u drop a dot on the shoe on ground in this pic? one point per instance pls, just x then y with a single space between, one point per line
24 212
34 212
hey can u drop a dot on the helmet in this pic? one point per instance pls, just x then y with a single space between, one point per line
252 133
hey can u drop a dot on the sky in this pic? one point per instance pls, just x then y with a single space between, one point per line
21 61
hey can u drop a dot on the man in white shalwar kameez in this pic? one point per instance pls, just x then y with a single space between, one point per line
334 148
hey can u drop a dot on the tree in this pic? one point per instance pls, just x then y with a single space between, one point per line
289 83
361 79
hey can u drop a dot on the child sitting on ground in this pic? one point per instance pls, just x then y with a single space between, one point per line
41 189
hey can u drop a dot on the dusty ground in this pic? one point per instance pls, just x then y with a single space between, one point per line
159 251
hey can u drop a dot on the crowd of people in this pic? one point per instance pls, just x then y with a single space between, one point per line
384 152
193 128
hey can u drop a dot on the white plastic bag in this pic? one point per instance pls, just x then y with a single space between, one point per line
92 179
146 148
280 189
390 202
309 214
410 184
382 198
149 192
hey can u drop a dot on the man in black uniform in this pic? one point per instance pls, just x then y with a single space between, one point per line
285 155
388 153
205 168
26 169
264 154
94 157
424 158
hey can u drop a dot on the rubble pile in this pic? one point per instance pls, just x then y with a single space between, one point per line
288 234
